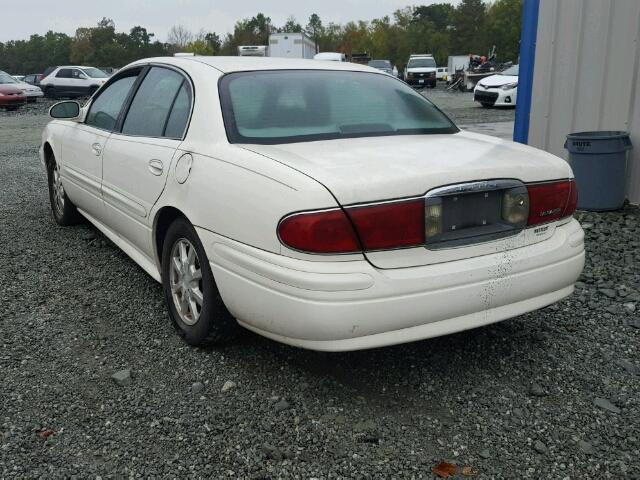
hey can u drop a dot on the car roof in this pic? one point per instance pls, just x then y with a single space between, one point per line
243 64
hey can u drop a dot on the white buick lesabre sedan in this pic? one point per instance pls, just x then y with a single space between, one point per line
323 205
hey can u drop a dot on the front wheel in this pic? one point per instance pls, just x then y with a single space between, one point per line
194 302
64 212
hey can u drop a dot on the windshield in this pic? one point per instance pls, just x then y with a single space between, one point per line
285 106
421 63
380 64
510 71
5 78
95 72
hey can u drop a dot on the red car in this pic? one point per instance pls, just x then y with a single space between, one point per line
11 97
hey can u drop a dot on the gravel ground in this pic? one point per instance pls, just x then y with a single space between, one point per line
551 394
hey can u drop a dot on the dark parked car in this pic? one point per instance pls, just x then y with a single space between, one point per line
384 65
11 97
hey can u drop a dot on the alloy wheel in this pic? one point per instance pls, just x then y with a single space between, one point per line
185 278
58 190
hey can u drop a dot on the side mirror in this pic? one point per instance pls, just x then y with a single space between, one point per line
68 109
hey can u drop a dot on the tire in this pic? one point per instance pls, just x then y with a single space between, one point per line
486 105
50 92
92 90
64 211
212 323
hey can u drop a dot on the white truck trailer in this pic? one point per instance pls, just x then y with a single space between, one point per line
252 51
291 45
457 62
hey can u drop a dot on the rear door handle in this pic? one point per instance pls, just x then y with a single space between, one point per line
96 148
155 166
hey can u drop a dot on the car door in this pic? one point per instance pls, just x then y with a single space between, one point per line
83 145
62 81
79 83
138 157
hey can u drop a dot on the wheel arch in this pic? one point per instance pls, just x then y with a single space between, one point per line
47 149
164 217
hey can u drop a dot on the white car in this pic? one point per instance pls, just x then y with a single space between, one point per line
73 81
500 90
421 71
442 73
325 205
30 91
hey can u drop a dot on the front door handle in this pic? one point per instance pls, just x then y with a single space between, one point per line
96 148
155 167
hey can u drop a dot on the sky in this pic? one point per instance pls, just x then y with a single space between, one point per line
20 19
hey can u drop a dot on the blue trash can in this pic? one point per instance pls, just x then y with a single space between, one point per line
599 162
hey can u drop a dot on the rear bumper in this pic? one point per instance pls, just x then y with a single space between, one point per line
336 306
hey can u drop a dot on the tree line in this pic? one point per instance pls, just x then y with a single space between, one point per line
473 26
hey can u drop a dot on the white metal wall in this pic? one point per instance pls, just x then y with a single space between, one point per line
586 75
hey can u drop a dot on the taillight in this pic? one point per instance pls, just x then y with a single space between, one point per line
381 226
319 232
389 225
551 201
572 204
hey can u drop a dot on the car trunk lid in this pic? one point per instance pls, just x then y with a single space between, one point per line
377 169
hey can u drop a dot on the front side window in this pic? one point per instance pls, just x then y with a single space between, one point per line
94 72
149 111
285 106
105 109
77 74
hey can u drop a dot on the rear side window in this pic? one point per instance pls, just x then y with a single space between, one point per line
105 109
177 122
148 115
64 73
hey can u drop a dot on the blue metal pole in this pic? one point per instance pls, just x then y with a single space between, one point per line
528 34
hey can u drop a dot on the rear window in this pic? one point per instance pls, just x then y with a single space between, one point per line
285 106
380 63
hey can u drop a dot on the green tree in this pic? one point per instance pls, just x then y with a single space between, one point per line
440 14
469 22
503 28
291 26
315 29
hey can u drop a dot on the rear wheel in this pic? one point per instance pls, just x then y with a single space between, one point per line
64 212
194 302
50 92
486 105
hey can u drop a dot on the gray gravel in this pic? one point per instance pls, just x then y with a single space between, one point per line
551 394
